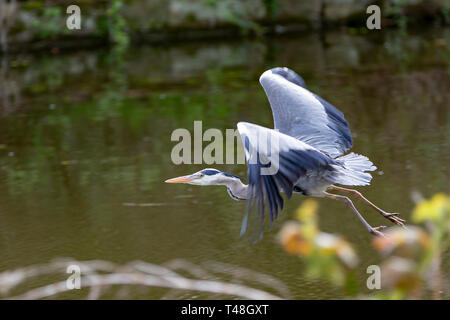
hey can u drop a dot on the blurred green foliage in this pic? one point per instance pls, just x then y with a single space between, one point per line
119 20
117 24
49 24
326 256
446 12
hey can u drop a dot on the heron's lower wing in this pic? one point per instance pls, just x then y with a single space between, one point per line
275 163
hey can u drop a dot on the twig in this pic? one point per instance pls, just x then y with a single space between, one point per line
98 275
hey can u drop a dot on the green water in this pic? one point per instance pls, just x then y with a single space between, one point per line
85 134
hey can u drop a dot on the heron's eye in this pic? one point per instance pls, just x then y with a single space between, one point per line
201 175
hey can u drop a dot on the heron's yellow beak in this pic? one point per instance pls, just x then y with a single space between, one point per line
183 179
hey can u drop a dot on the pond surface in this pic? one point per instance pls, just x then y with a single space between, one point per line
85 147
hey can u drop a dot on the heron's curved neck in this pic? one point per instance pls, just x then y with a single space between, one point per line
236 189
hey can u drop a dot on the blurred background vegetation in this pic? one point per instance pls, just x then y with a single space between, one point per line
411 257
34 23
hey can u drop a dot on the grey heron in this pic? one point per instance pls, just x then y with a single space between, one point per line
306 149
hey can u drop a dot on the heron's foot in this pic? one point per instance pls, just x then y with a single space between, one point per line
377 231
393 217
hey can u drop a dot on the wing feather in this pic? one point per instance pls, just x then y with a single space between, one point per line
288 158
304 115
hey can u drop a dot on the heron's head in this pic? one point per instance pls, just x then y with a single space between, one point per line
205 177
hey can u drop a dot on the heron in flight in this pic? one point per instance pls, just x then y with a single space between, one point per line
303 154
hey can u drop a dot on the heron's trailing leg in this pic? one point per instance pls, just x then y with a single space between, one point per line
348 202
390 216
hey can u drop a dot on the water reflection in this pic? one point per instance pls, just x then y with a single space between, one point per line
85 145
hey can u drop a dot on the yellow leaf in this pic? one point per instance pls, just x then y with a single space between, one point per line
434 209
307 211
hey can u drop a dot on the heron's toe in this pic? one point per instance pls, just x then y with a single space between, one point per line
390 214
393 217
397 220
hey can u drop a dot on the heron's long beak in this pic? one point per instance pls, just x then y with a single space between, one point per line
183 179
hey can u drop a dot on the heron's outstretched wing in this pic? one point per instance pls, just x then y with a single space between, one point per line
275 163
304 115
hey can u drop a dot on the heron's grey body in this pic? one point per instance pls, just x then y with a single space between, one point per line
304 153
312 183
311 137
